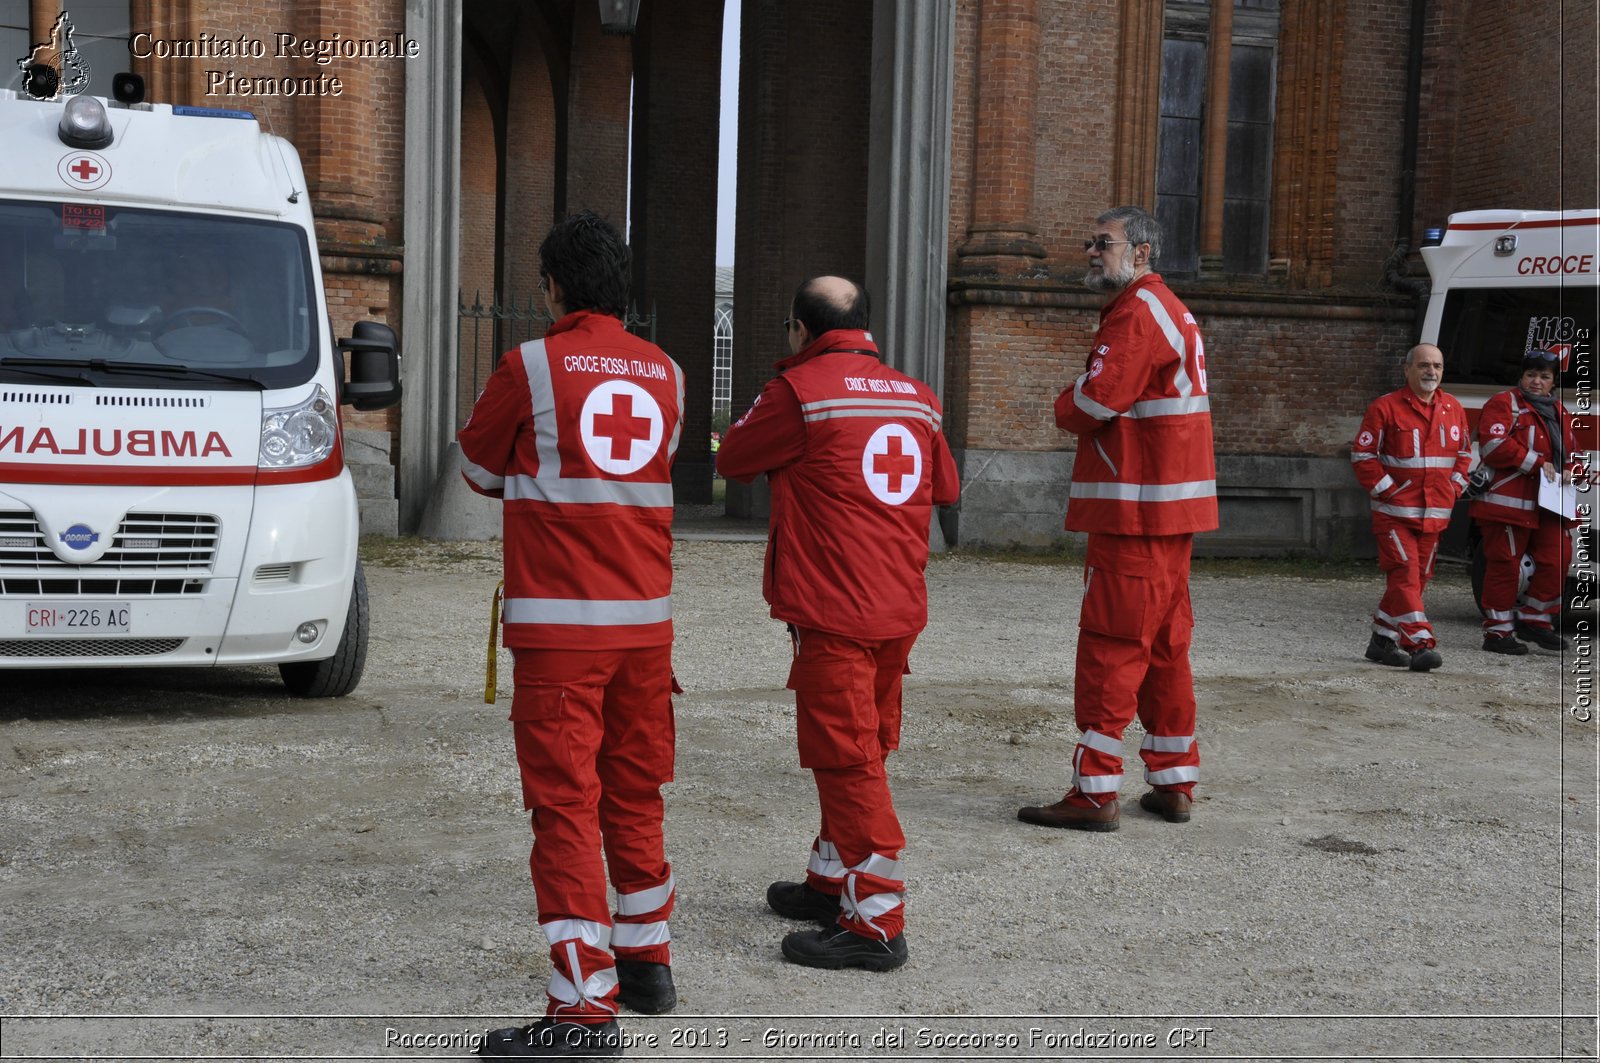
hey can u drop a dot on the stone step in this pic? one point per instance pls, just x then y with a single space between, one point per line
379 516
372 481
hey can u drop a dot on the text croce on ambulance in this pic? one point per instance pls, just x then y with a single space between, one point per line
172 480
1505 282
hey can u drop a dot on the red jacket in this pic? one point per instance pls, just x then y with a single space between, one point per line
1413 458
577 433
1145 464
857 462
1514 442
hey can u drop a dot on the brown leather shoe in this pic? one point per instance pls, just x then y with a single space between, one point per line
1171 805
1074 816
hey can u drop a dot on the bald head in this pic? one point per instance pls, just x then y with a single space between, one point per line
1424 369
823 304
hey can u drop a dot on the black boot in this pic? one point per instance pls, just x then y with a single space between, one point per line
646 987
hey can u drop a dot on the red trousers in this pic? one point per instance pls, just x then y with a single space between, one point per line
594 734
1133 660
847 719
1406 557
1504 545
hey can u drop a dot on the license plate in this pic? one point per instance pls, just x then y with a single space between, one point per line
79 618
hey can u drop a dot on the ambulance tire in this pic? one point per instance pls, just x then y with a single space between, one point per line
339 674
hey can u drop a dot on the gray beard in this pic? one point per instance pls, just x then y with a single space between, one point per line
1109 282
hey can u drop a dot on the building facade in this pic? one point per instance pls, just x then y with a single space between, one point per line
953 153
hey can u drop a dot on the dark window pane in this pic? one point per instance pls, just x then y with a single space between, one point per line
1180 233
1178 157
1244 236
1485 332
1250 84
1249 161
1183 78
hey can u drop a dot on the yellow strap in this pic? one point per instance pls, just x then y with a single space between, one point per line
489 682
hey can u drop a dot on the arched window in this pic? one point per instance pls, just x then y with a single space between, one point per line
722 361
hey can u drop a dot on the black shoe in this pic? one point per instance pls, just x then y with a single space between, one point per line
1543 637
1504 644
798 900
836 948
1384 651
1426 659
553 1038
646 987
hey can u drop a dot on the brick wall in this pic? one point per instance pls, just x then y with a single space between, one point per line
597 136
1516 125
804 95
1279 385
479 347
351 145
1371 121
674 229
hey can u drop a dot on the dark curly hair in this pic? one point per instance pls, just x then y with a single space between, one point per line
587 257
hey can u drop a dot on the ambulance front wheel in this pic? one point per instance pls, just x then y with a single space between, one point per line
339 674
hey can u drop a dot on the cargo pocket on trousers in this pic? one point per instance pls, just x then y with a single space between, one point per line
545 756
830 726
1115 604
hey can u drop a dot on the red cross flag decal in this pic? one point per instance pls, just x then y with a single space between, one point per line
892 463
84 170
621 426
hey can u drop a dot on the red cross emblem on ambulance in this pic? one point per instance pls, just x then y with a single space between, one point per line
84 170
892 464
621 426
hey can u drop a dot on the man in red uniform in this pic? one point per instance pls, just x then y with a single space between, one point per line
856 461
577 433
1143 482
1524 435
1411 454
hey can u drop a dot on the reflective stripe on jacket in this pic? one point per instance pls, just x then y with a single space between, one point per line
577 432
1411 458
1145 463
1514 443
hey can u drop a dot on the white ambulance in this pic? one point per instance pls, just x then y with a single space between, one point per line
1505 282
172 480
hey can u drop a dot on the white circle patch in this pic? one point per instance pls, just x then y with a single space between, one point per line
892 464
85 170
621 426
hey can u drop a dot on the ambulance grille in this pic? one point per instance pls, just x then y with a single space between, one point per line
54 398
87 647
147 551
150 400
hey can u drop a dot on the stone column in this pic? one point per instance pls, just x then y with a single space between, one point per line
1002 238
908 182
1213 188
432 171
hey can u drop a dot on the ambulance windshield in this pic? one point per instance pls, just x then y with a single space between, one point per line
1485 332
199 298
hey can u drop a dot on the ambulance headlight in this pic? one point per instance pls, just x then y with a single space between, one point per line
293 436
84 123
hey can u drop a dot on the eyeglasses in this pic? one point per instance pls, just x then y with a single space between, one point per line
544 282
789 323
1542 356
1100 243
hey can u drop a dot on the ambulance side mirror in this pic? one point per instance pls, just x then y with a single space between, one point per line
374 367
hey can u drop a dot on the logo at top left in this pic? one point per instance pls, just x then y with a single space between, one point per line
54 68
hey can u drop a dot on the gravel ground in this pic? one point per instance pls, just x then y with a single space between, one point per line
1380 864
